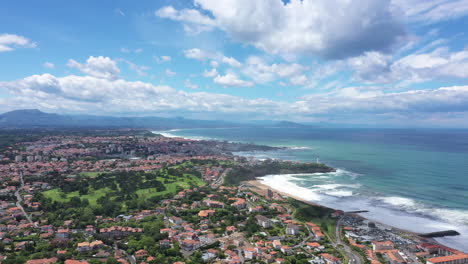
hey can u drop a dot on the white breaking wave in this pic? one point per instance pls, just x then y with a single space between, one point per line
400 212
399 201
411 206
283 183
298 148
168 134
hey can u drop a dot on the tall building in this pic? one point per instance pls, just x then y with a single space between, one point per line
269 194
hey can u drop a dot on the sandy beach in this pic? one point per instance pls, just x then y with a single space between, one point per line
260 188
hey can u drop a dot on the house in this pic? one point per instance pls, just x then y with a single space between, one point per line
189 244
240 203
176 220
165 243
72 261
213 204
452 259
330 259
312 245
286 250
256 209
249 253
277 244
382 245
86 246
263 221
63 233
210 254
395 257
292 229
141 253
206 213
42 261
118 232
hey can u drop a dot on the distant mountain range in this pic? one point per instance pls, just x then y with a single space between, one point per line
31 118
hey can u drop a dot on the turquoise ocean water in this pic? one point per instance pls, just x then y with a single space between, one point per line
412 179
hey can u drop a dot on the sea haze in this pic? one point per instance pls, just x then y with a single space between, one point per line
412 179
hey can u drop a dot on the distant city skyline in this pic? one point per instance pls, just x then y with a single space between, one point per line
382 62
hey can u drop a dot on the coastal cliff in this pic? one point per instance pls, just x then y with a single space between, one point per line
269 167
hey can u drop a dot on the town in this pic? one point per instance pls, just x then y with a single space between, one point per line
138 197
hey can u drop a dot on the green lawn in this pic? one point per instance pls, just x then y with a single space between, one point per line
89 174
92 196
171 187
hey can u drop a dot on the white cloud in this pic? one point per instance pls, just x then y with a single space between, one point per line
262 72
214 64
100 67
170 73
439 64
125 50
190 85
299 80
48 65
372 66
231 61
139 69
231 79
162 59
88 94
9 42
197 54
432 11
211 73
327 28
215 57
197 22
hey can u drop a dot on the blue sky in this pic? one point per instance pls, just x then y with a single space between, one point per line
381 62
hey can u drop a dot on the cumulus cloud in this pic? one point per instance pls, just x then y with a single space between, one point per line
326 28
100 67
439 64
372 66
261 72
231 79
9 42
374 101
89 94
231 61
190 16
215 57
97 95
211 73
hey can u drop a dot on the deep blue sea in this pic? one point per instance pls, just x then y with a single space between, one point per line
416 179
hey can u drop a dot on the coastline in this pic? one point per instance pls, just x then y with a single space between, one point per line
259 187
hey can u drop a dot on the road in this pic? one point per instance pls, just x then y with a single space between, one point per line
19 200
354 258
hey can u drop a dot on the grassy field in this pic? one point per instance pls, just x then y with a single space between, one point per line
171 187
93 195
90 174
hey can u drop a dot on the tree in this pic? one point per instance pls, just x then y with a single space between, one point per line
112 260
